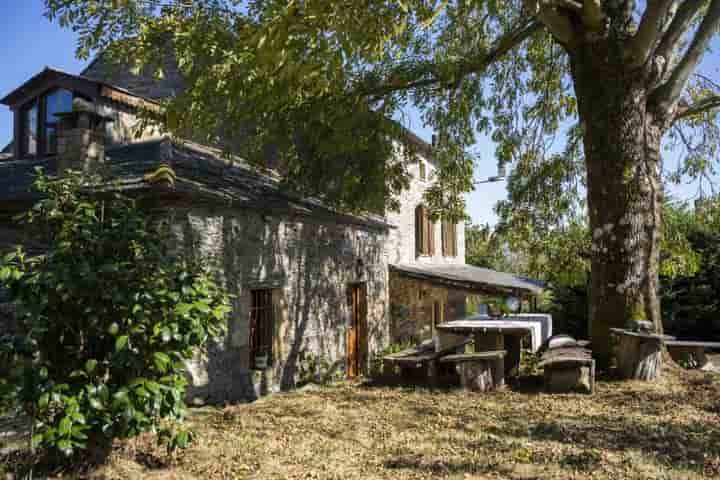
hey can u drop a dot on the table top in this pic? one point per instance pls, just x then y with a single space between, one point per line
504 326
653 336
692 343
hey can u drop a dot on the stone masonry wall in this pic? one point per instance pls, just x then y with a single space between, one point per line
411 307
401 242
309 264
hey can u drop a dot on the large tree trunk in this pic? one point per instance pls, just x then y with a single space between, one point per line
622 149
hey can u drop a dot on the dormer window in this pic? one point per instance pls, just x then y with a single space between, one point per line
39 122
29 127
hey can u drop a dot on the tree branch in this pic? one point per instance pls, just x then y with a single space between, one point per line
668 94
701 106
592 14
431 73
557 22
680 25
641 45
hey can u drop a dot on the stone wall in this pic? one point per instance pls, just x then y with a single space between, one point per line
401 242
412 302
309 264
125 126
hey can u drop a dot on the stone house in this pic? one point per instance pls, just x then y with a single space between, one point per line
304 278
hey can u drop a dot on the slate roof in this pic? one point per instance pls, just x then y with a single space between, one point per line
142 85
200 173
470 277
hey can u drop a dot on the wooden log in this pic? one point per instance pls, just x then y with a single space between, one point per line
639 357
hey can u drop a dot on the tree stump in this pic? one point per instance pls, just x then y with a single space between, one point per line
639 355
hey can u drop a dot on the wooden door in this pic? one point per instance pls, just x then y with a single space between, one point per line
357 333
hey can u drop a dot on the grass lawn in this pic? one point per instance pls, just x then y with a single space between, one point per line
626 430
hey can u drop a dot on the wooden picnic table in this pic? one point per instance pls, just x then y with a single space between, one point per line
495 335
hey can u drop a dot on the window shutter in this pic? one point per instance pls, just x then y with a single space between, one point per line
419 230
431 235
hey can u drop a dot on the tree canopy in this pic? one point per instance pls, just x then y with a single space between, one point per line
577 95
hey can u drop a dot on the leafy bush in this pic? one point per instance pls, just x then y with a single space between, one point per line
312 368
108 318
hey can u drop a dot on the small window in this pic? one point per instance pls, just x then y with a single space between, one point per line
30 130
449 239
424 232
262 326
423 171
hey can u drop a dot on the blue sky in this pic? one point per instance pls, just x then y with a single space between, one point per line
29 42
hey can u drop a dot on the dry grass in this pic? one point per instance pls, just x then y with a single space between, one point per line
626 430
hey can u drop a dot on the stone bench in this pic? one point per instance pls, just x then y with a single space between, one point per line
688 352
568 370
421 357
479 371
567 365
639 354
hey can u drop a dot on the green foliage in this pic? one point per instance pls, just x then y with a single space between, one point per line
484 249
377 368
691 302
109 316
312 368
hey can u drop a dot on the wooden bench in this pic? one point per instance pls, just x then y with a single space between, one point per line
569 368
479 371
688 352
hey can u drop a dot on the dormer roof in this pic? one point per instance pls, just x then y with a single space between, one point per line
50 78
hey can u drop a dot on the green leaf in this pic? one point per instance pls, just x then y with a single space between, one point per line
90 365
64 426
36 440
121 342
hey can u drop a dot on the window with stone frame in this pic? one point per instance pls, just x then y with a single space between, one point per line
424 232
449 239
262 324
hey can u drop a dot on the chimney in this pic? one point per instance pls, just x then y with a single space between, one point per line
81 138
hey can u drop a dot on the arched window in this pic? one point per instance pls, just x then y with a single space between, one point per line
449 239
424 232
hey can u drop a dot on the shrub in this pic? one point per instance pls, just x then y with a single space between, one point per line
376 363
312 368
109 318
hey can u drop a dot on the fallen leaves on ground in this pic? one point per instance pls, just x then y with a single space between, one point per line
669 429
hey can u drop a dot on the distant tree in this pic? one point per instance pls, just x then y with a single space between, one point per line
482 248
315 78
108 316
